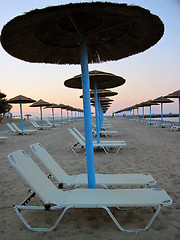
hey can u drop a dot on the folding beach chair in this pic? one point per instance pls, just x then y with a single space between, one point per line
56 199
11 129
37 126
64 180
2 139
107 133
51 125
107 146
27 131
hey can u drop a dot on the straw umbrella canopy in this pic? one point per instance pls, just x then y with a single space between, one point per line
27 115
162 100
105 31
175 94
98 79
52 34
20 99
2 95
102 93
102 100
41 103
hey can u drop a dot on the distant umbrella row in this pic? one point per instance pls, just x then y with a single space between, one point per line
20 99
149 103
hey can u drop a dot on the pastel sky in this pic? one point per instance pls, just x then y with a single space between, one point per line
149 75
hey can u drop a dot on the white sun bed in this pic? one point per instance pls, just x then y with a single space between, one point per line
106 133
51 125
37 126
11 129
56 199
2 139
27 131
107 146
64 180
101 141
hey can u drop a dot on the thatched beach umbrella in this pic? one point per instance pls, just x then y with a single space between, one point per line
41 103
149 103
68 108
62 106
27 116
162 100
102 93
104 31
175 94
20 99
98 80
2 95
103 105
52 106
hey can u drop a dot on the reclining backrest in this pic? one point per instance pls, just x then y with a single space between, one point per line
35 178
77 137
49 163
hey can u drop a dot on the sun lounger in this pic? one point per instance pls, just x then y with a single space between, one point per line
64 180
2 139
105 133
11 129
51 125
56 199
101 141
37 126
106 146
175 128
27 131
104 127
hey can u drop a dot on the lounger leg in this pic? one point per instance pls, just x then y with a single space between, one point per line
18 208
75 146
108 152
133 230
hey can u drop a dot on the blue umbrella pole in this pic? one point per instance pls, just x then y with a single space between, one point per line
72 116
22 128
97 113
150 114
143 114
100 115
53 116
67 115
41 117
87 114
137 114
133 114
61 116
161 113
179 112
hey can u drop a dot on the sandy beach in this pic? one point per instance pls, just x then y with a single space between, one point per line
149 150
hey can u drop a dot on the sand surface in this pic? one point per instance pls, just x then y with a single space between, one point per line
149 150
